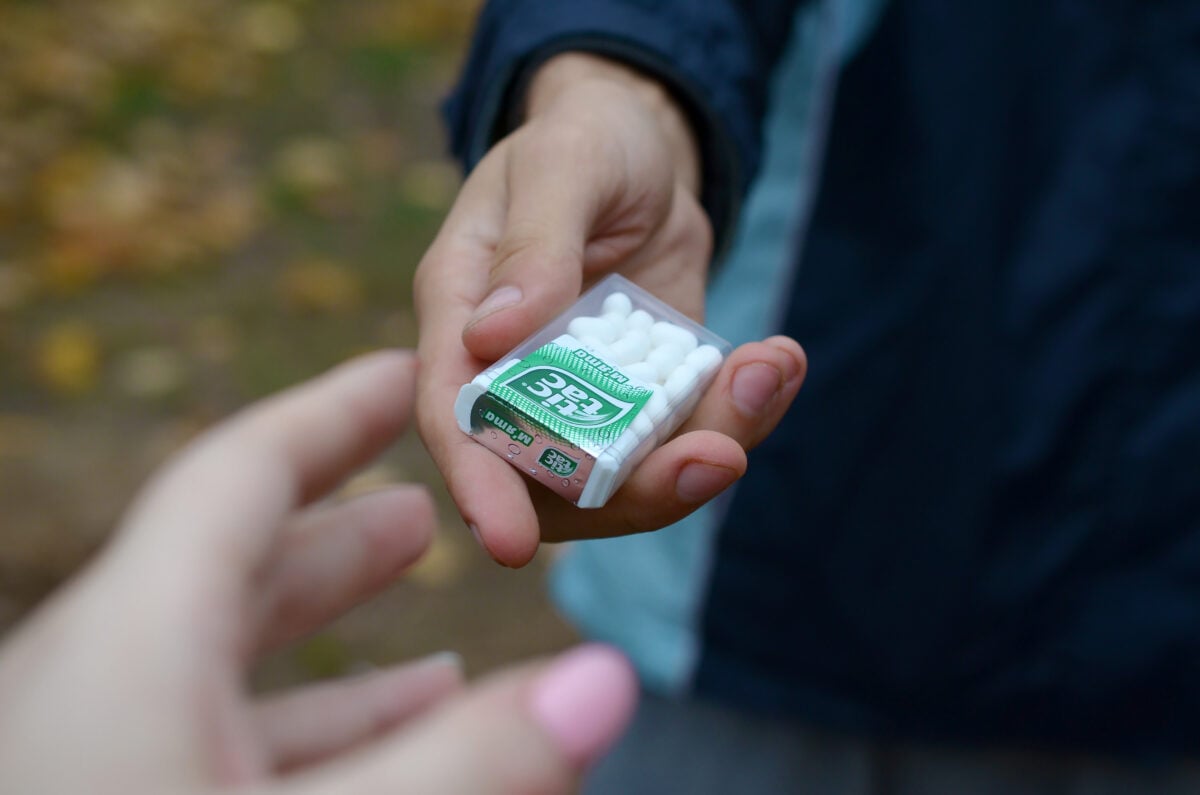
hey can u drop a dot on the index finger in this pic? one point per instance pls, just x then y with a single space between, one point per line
212 514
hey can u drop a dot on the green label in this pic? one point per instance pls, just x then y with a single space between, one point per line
558 462
572 394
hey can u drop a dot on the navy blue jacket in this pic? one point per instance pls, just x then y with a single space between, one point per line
981 520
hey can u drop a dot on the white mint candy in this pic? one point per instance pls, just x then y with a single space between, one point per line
664 359
617 322
625 445
596 327
618 304
657 406
681 381
639 319
642 372
630 348
642 425
638 335
663 332
704 358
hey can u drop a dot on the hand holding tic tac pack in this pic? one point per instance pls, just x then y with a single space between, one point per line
578 405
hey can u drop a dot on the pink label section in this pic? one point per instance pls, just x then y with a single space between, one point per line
529 448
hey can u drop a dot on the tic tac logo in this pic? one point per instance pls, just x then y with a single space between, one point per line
558 462
576 401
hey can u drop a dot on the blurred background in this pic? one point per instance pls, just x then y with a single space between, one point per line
201 203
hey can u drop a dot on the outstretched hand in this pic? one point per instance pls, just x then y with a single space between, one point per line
602 177
132 679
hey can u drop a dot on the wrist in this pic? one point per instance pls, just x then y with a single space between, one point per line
573 70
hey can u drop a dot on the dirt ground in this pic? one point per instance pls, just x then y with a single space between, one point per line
201 203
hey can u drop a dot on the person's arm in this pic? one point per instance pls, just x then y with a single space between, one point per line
713 57
133 678
563 74
599 175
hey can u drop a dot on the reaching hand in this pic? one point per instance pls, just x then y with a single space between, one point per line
601 177
132 679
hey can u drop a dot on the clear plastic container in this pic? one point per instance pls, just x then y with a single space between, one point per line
579 404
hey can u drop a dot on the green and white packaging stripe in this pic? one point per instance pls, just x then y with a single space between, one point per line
572 394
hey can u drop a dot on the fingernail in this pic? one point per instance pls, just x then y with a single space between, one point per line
444 659
479 540
584 701
754 385
501 298
699 481
788 346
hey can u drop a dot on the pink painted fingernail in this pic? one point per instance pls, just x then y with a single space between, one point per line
584 701
500 298
444 659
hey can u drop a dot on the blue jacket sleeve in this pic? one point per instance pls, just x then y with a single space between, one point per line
716 56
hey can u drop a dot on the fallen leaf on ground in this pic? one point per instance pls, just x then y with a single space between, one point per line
67 358
311 165
321 286
269 27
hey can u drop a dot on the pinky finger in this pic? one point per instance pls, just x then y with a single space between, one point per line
317 722
530 729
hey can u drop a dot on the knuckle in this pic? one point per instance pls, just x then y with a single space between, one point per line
561 138
693 230
290 612
642 518
582 146
517 247
529 246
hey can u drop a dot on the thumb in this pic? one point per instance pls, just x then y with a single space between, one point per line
533 729
537 266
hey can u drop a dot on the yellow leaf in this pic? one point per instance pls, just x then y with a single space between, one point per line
68 358
229 217
321 286
421 20
201 70
63 185
123 194
269 27
312 165
69 265
65 73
